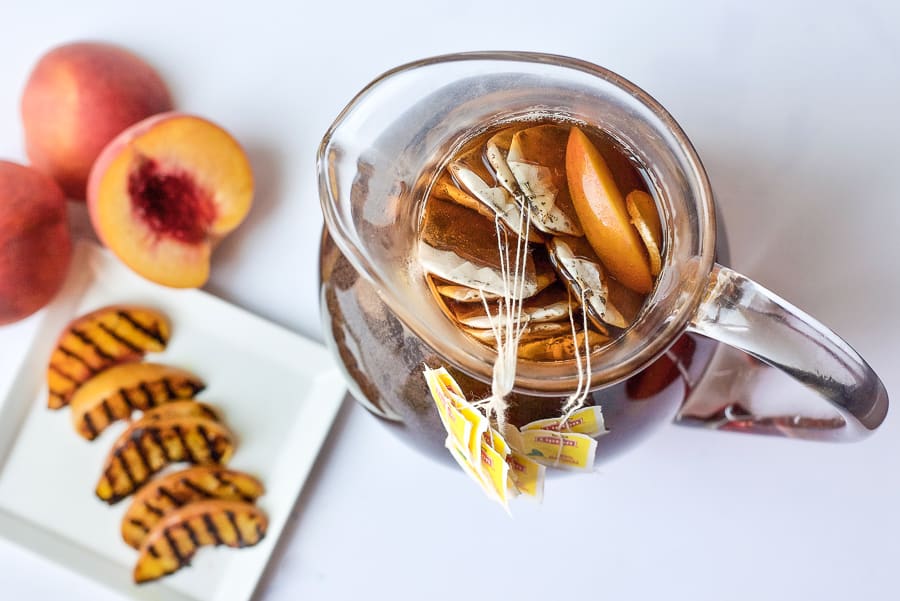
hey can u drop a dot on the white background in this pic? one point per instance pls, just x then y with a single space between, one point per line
792 106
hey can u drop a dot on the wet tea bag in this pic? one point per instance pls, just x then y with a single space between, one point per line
545 275
550 305
446 189
470 256
495 199
530 333
537 160
581 270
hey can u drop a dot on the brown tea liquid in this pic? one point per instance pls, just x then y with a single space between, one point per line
526 194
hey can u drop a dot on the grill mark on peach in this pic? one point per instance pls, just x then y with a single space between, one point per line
212 529
188 453
210 446
170 391
237 531
90 342
153 509
120 339
150 400
191 534
58 370
167 494
198 490
167 534
151 332
73 355
89 425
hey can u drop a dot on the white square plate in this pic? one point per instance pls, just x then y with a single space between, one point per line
278 393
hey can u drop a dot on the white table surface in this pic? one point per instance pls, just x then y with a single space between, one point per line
794 111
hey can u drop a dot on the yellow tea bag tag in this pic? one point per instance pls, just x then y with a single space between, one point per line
458 426
587 421
469 469
526 475
479 449
495 470
479 425
565 450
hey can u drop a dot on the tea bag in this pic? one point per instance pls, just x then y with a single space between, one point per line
530 333
470 256
582 271
496 199
550 305
445 188
537 160
545 275
645 219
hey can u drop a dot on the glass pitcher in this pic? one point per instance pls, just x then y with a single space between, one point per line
694 351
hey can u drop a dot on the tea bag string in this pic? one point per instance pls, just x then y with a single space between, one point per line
576 400
507 325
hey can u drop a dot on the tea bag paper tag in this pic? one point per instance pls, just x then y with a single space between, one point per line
527 475
563 450
458 427
587 421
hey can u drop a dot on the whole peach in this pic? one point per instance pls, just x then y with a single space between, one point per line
79 97
35 248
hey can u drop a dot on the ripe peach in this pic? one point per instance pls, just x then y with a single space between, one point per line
34 241
165 191
79 97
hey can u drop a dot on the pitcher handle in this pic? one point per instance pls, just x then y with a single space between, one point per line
743 314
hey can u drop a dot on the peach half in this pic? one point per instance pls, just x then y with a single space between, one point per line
165 191
79 97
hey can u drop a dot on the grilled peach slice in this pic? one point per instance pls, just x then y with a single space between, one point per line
601 210
121 390
151 443
99 340
165 495
177 409
174 541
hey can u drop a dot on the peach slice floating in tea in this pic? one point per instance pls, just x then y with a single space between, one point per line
537 159
645 219
601 210
471 256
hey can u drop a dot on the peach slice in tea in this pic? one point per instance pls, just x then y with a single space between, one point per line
537 160
550 305
581 270
645 219
601 210
471 256
498 201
